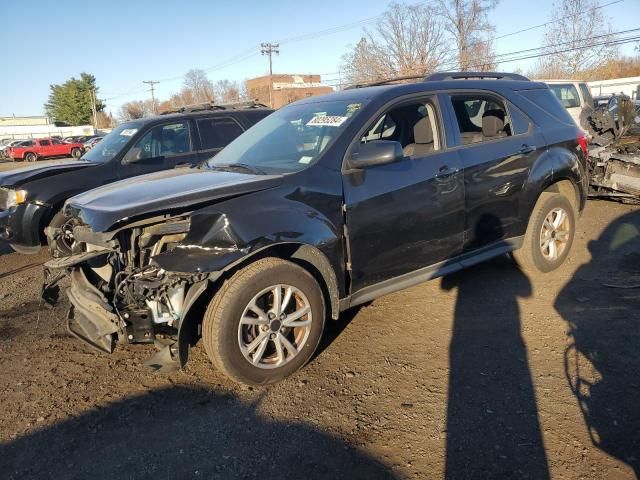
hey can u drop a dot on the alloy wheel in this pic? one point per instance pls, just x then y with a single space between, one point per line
274 326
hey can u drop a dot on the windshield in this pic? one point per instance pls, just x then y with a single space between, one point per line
288 140
111 144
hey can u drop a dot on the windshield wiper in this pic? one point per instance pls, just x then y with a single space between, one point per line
238 166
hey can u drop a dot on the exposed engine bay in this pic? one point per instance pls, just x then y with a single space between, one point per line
614 152
118 294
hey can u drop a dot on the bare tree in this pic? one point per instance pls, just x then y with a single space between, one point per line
467 21
227 91
197 81
483 56
569 42
407 40
136 109
184 97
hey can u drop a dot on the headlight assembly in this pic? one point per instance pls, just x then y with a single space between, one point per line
11 198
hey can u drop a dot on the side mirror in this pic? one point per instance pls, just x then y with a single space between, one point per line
379 152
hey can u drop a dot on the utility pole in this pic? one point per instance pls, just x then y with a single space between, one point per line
94 109
153 98
269 49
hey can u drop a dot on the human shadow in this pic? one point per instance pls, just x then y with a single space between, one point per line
492 421
601 305
184 432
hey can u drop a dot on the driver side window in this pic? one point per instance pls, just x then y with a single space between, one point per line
165 141
413 125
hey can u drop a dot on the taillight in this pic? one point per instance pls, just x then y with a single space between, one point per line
584 144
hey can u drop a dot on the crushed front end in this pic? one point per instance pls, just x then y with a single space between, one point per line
117 292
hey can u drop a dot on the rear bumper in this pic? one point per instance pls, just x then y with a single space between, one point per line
21 225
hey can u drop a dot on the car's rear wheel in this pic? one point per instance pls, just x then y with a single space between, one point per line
549 235
30 157
265 322
76 152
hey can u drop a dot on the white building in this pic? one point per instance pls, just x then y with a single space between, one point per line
629 86
38 127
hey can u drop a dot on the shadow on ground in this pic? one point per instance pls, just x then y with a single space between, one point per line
492 420
184 432
601 305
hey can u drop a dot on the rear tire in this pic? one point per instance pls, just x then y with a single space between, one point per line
549 234
249 338
76 153
30 157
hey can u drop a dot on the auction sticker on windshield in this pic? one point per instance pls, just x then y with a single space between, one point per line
128 132
326 121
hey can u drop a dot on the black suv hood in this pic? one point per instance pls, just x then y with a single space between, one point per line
18 176
162 192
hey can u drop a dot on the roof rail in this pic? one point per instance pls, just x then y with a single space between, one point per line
385 82
201 107
475 75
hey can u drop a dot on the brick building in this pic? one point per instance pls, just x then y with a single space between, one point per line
286 88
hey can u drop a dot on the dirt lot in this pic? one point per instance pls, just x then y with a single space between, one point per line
488 373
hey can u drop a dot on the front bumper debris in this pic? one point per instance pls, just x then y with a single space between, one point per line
91 318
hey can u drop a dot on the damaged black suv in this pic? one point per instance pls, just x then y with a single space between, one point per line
326 204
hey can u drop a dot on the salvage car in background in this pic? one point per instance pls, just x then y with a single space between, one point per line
328 203
89 144
31 198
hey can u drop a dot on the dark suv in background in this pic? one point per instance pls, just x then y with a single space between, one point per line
328 203
31 198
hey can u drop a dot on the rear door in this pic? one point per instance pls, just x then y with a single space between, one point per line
215 133
160 147
406 215
497 150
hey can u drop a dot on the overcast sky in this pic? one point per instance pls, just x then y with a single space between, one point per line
125 42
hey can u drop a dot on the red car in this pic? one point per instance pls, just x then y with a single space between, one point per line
44 148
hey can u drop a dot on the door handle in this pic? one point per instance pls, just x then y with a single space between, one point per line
444 172
527 149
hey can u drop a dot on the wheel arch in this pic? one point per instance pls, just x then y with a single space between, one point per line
200 294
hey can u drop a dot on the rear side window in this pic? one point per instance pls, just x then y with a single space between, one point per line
567 94
520 121
44 143
218 132
546 101
481 118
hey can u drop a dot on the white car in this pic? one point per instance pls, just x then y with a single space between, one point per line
12 143
574 95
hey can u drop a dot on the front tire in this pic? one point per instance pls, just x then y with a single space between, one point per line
30 157
265 322
63 244
549 234
25 250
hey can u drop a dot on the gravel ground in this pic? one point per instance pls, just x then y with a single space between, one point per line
488 373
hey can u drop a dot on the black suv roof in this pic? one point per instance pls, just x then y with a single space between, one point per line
438 81
201 109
